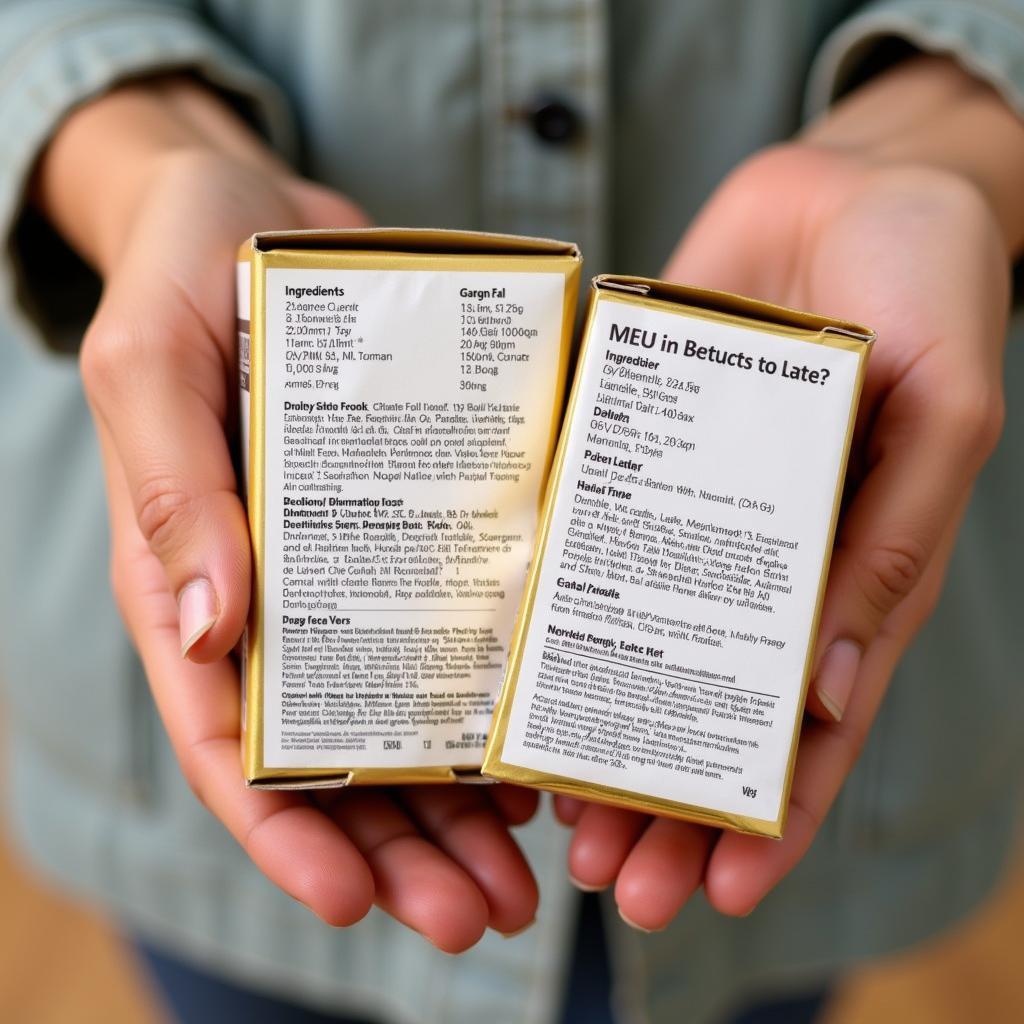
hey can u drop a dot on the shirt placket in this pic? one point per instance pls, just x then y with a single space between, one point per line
545 77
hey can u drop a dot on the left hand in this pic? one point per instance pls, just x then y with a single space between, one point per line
917 253
156 183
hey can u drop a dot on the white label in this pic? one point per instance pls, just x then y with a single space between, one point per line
408 419
679 581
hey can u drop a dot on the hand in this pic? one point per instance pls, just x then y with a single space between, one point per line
158 363
916 252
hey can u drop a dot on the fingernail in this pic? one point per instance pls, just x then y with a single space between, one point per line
583 887
836 676
635 926
197 612
519 931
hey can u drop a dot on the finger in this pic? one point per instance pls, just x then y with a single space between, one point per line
516 804
663 870
568 809
416 883
158 381
296 846
600 844
743 869
463 823
921 472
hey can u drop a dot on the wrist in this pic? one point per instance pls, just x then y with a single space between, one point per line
96 171
928 114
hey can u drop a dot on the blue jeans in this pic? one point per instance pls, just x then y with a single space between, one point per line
193 996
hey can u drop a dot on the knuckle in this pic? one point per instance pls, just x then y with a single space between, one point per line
991 424
977 416
165 513
104 354
888 572
117 353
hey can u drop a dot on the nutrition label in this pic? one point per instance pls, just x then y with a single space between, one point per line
409 416
678 585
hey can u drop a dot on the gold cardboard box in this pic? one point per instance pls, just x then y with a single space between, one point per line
401 396
661 656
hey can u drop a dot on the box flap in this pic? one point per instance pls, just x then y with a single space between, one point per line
731 305
413 240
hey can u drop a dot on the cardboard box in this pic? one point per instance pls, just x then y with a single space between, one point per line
662 653
401 394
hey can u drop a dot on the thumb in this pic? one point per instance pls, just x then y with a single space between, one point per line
156 380
926 452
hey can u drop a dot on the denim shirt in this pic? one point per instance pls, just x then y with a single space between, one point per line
421 112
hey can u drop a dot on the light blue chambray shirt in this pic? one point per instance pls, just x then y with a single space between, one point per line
419 111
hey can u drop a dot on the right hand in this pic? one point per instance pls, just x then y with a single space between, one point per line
158 364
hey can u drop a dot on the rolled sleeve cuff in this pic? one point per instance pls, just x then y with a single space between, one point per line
53 57
986 37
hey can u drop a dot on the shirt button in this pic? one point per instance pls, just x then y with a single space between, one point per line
554 121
